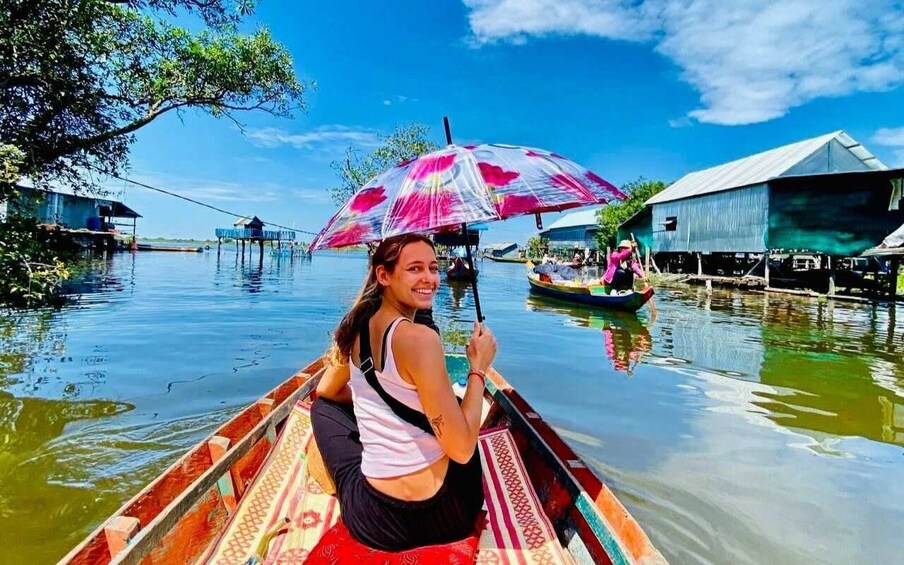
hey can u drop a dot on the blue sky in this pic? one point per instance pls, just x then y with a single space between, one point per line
653 88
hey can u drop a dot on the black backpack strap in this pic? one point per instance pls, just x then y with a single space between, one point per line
408 414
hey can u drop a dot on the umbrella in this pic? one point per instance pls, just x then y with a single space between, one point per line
457 185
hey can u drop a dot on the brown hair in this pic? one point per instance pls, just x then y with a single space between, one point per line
371 295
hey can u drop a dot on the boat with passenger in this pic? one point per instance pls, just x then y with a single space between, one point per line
576 290
254 492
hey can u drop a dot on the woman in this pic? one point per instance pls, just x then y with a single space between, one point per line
620 274
402 482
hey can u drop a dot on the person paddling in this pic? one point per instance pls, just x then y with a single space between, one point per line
622 268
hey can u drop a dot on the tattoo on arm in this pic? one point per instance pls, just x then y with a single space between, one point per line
437 425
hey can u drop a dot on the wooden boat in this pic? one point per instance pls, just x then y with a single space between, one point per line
180 248
205 505
454 274
593 295
507 259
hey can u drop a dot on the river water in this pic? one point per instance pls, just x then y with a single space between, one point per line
736 428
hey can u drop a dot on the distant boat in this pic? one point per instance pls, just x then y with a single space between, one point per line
507 259
593 295
461 273
181 248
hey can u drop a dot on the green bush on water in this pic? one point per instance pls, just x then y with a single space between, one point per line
34 262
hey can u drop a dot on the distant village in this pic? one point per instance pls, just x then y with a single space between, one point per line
822 215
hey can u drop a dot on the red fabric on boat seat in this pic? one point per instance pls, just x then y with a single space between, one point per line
545 278
337 546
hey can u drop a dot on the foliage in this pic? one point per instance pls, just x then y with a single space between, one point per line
33 260
79 77
406 142
536 246
611 216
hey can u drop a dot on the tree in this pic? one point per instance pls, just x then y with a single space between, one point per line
79 77
406 142
536 246
611 216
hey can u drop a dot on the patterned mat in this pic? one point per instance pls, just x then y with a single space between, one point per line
518 530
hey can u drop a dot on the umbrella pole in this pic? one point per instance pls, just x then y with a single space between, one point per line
464 228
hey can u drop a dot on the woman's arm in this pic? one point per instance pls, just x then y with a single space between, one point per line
638 270
333 384
419 356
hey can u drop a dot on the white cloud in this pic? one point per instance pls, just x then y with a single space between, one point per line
893 138
750 60
320 137
387 102
313 195
209 191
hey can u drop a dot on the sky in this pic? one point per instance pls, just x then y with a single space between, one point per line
627 88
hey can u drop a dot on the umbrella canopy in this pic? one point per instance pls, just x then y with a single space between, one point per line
457 185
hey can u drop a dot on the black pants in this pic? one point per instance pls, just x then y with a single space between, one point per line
379 520
622 279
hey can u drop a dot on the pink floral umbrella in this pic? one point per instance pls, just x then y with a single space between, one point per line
459 185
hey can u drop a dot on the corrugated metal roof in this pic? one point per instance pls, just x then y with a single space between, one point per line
759 168
575 219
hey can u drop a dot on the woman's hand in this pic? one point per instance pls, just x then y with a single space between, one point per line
481 348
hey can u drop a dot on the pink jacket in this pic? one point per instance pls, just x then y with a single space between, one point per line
615 258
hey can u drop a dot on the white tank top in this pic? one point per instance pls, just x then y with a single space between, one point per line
392 446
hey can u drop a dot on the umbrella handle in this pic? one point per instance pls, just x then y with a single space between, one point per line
480 318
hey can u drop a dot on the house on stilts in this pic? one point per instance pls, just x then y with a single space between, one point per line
802 207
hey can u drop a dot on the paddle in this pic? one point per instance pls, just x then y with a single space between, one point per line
636 255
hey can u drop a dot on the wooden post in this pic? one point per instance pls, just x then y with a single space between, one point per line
831 276
709 287
119 531
699 264
893 283
218 446
647 266
243 249
766 260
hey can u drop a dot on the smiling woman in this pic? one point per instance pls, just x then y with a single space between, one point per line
399 446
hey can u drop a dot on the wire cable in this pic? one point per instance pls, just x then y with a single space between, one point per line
199 203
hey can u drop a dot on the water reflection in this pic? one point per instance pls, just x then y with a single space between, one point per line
626 338
458 289
252 274
821 370
820 381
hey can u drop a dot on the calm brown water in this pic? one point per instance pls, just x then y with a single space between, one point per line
737 428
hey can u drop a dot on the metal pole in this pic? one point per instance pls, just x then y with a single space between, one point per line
464 229
480 318
448 131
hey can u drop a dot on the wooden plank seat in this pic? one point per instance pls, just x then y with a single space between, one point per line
517 529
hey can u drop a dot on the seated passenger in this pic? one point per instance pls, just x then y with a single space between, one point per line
400 448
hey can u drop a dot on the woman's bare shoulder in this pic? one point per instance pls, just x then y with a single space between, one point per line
415 336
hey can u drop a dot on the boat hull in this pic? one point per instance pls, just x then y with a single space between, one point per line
507 259
178 517
625 303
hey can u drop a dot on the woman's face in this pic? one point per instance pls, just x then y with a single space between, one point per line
414 280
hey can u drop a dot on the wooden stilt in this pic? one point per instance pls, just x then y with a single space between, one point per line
831 276
766 260
699 264
647 260
893 283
